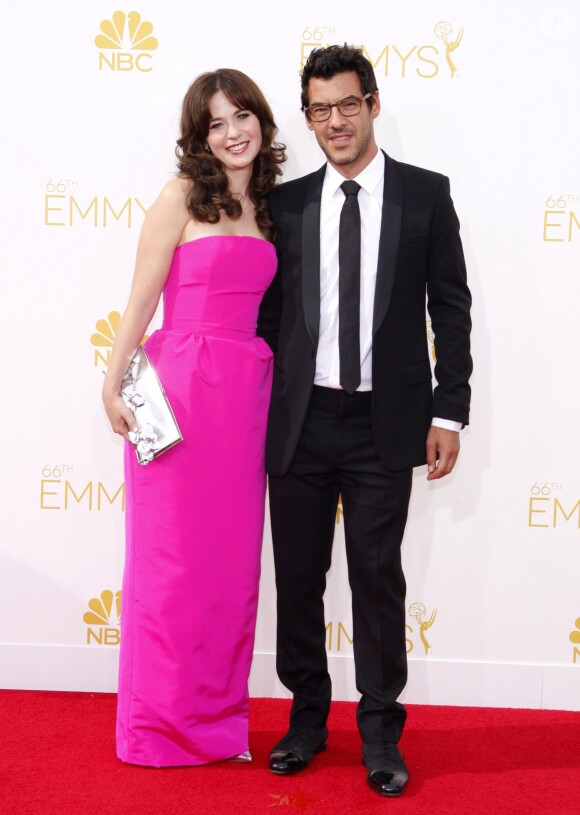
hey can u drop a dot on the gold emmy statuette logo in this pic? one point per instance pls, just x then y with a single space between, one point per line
444 32
122 34
418 611
105 336
106 614
431 339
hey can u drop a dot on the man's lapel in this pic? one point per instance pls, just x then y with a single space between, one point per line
311 255
389 241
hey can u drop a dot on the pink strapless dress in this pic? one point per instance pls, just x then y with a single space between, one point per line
195 516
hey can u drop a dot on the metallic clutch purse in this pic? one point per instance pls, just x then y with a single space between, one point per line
143 393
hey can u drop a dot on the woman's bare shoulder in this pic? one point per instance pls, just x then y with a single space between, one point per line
175 193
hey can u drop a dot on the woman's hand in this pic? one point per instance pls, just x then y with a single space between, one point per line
122 419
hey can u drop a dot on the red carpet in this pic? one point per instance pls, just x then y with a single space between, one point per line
57 755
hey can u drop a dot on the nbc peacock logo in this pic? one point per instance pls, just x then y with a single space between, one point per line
104 618
122 35
102 340
104 337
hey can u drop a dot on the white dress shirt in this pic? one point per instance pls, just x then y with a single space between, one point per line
370 199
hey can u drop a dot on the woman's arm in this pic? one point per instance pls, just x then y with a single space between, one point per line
161 233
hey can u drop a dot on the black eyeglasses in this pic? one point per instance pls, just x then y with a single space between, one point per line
346 107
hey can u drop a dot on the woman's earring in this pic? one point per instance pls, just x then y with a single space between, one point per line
207 148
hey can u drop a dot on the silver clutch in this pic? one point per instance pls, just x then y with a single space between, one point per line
143 393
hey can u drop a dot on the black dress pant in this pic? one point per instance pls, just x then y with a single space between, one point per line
336 456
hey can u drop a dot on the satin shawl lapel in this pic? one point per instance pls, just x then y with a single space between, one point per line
311 255
389 241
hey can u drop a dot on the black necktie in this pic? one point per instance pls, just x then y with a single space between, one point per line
349 288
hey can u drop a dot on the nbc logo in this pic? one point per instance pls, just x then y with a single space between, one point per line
105 613
122 34
105 336
106 330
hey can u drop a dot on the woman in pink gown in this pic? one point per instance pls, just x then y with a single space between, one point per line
195 514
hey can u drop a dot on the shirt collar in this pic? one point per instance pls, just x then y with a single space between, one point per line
368 178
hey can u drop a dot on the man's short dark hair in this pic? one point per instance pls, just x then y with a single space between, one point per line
324 63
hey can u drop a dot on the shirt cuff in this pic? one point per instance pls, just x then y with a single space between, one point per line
446 424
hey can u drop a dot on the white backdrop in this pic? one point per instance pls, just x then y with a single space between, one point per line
492 556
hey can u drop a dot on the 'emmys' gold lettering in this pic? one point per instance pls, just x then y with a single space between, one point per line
558 506
102 491
98 207
78 498
122 61
573 219
108 205
407 640
83 215
385 51
342 629
550 224
85 498
576 655
532 511
403 59
430 61
44 492
48 209
103 636
339 512
424 53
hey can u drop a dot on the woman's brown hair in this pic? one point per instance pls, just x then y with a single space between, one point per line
209 191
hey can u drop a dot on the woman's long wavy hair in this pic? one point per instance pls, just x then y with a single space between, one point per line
210 193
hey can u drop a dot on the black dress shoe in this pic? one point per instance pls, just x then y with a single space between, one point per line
294 752
387 772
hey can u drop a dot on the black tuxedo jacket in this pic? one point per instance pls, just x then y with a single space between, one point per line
420 256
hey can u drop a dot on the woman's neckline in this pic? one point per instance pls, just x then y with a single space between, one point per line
206 237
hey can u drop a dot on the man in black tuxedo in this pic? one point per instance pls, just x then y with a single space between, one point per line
352 408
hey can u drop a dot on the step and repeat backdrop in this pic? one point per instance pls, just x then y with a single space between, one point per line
484 93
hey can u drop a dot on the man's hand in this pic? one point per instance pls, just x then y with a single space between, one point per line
442 451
